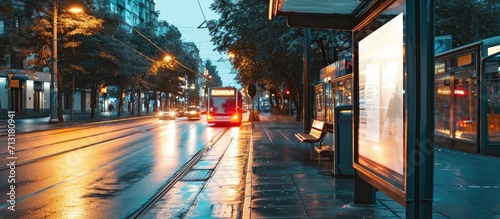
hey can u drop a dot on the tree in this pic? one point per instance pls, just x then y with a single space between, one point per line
214 79
121 59
36 36
185 59
269 53
467 21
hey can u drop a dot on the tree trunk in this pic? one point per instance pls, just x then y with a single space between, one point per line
147 101
155 101
120 102
72 98
93 99
132 100
59 97
161 102
298 107
139 103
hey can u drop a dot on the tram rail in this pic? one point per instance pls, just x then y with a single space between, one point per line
139 213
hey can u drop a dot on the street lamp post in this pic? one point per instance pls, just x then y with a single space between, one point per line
205 88
53 72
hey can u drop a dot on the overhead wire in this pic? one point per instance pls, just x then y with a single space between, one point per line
201 9
154 44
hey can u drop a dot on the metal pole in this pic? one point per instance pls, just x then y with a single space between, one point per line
307 104
53 73
252 113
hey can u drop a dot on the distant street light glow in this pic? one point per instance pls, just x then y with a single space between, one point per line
75 10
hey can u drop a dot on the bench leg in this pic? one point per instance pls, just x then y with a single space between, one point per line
319 158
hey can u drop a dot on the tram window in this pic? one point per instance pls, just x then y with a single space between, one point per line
464 60
442 105
493 118
465 107
347 91
320 104
328 102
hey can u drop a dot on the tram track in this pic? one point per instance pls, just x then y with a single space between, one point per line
186 168
69 147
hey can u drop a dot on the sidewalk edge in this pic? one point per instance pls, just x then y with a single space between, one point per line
247 202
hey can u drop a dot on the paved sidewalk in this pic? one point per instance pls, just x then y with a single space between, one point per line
286 184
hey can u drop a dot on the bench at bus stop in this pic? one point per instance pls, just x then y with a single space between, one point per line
315 135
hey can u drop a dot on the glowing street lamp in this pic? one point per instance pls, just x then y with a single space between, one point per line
168 58
53 101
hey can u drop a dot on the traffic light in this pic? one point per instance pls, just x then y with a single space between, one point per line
287 92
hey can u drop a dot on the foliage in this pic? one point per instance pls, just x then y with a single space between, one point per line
214 79
467 21
269 53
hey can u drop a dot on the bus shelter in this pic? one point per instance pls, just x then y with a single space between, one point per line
392 92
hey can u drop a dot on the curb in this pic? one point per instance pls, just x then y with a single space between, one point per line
247 202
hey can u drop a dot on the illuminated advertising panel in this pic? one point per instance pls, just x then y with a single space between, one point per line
381 101
223 92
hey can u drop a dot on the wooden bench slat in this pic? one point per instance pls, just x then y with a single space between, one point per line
315 135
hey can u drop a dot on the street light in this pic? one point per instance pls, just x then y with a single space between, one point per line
53 101
53 72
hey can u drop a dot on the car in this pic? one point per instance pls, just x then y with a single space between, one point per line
167 114
193 112
179 112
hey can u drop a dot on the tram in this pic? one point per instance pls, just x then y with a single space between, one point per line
467 97
224 105
334 90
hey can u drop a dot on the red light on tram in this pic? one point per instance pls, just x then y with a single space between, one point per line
235 117
459 92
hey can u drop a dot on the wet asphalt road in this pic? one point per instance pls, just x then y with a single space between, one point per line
97 171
